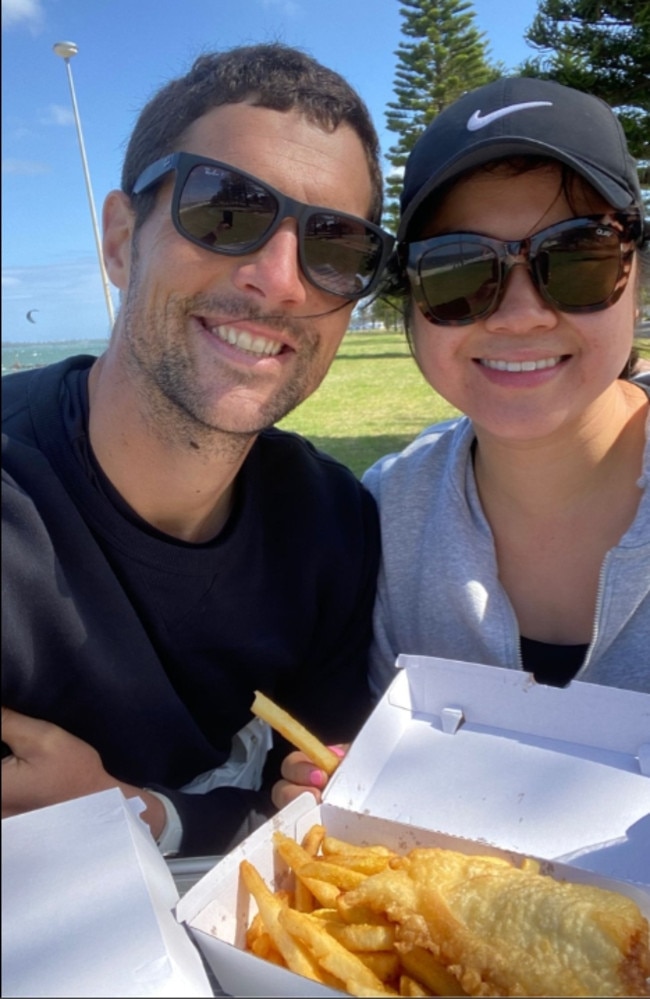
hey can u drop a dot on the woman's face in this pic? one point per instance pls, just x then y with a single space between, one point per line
528 371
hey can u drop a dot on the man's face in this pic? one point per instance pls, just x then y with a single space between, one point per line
235 343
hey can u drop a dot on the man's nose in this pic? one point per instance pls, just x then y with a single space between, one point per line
273 273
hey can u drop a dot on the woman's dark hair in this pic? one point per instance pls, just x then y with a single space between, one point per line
272 76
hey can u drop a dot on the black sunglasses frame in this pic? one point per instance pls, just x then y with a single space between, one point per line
183 163
508 254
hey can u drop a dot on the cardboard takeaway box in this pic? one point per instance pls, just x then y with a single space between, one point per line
470 758
88 905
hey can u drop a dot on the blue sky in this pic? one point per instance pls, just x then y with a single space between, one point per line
127 49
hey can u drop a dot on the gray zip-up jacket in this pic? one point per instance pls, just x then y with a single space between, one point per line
439 593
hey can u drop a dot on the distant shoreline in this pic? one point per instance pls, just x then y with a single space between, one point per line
20 356
49 343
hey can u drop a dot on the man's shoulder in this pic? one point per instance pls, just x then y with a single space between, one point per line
285 447
22 389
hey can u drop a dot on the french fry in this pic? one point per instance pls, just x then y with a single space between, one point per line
365 863
298 959
411 987
311 842
383 963
295 733
361 914
264 947
326 894
340 846
357 979
295 856
420 964
322 870
362 936
313 839
254 931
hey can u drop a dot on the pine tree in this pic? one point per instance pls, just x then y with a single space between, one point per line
604 49
446 57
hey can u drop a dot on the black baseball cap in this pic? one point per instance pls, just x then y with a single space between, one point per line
517 116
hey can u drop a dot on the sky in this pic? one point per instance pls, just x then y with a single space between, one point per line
52 287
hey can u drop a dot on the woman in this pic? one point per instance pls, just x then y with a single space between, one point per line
519 534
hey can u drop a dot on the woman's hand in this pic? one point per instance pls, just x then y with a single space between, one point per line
299 775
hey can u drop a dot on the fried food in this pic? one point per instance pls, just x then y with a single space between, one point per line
439 922
505 931
295 733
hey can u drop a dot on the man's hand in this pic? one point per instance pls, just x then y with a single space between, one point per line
300 775
49 765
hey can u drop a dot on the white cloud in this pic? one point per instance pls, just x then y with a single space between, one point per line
57 114
24 168
29 12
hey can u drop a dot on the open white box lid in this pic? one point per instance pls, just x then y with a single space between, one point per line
488 754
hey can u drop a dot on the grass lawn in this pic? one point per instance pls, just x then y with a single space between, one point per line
373 400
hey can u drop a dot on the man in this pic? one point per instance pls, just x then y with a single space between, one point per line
165 552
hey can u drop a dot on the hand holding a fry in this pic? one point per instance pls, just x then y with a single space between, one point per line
307 769
300 774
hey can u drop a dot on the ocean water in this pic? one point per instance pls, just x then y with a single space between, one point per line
18 356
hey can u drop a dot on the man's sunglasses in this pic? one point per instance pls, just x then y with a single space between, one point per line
228 211
579 265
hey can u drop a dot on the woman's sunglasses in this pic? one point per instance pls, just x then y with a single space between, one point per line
579 265
228 211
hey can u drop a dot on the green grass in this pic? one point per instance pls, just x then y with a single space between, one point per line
373 401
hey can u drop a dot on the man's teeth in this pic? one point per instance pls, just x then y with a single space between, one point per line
244 340
547 362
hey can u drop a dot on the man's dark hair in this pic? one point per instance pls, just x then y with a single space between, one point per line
272 76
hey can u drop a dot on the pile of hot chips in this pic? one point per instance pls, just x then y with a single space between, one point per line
352 950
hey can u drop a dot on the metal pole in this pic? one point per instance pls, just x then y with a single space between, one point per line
66 50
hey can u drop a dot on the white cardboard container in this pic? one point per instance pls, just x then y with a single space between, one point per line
88 905
466 757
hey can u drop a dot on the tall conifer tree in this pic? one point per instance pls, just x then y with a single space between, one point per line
444 56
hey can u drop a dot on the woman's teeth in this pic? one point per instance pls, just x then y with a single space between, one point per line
245 341
547 362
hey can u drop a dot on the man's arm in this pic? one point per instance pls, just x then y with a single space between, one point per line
49 765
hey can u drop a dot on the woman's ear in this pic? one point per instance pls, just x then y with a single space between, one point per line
118 221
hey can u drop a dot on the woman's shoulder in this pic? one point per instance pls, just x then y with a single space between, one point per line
433 449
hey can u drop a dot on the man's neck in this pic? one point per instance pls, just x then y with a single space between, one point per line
180 487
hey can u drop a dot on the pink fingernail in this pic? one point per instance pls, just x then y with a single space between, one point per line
317 778
337 749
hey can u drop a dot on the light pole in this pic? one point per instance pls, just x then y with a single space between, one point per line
66 50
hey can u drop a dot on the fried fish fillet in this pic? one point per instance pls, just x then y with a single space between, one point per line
505 931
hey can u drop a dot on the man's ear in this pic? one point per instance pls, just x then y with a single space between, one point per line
118 221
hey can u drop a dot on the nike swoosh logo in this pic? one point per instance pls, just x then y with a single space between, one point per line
479 120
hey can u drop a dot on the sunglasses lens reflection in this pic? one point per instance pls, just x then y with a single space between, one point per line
233 214
578 267
459 279
225 211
